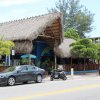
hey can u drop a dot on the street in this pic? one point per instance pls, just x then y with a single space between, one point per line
80 88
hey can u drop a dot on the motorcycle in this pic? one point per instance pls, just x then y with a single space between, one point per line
56 74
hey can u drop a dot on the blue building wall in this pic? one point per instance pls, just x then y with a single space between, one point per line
41 48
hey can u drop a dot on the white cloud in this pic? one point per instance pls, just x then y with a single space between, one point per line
16 2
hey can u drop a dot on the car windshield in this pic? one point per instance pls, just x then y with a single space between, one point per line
10 69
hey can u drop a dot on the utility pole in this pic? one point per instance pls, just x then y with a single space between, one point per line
13 53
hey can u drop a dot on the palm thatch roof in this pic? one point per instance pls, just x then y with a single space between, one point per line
46 27
63 50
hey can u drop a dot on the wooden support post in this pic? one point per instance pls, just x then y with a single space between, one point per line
55 62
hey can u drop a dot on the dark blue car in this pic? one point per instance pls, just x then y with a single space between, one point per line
21 74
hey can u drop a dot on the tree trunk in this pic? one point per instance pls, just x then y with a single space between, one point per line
99 63
84 64
78 64
71 62
55 62
99 66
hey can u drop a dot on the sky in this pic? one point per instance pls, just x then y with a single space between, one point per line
19 9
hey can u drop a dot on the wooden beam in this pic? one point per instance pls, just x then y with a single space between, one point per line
53 28
45 36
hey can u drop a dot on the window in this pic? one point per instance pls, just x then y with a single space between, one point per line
30 68
24 68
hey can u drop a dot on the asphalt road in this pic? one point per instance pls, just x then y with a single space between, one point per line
84 88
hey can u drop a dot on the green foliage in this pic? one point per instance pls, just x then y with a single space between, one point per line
24 61
46 50
46 62
84 48
71 33
86 42
9 69
38 62
88 53
98 51
5 47
75 16
98 47
76 50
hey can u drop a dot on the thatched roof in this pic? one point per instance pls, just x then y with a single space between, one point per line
63 50
23 46
46 27
28 29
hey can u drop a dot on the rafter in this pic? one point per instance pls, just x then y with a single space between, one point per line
46 36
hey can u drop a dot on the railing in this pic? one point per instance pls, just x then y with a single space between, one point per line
81 67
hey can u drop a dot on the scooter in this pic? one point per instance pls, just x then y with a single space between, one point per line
56 74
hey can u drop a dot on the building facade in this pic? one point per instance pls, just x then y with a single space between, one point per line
35 33
95 39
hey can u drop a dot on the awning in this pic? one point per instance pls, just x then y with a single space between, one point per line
28 56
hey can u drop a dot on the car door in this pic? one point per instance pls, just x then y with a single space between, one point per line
23 74
32 72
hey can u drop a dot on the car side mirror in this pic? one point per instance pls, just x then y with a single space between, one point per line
18 71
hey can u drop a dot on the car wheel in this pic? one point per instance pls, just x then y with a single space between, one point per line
38 79
11 81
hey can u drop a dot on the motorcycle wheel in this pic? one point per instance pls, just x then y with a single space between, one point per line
51 78
65 78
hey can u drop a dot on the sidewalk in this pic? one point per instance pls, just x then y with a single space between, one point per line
82 76
85 75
